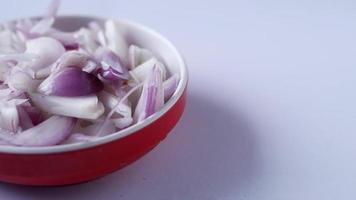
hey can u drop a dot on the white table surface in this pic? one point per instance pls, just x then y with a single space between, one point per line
271 108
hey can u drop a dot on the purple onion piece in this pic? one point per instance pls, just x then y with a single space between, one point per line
9 116
71 70
110 74
68 59
116 40
66 38
53 8
142 71
52 131
112 68
71 46
152 97
43 26
48 49
170 86
34 113
84 107
123 122
24 118
18 57
4 143
138 56
71 82
99 128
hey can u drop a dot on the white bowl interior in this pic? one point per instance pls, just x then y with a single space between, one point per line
135 34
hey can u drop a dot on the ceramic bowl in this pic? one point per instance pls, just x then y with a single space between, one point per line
81 162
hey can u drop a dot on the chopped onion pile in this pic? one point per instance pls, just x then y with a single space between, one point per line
66 87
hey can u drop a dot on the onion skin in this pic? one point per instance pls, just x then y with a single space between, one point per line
71 82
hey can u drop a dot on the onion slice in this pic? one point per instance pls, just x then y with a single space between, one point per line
68 59
115 40
152 97
24 118
86 107
71 82
47 49
53 8
123 122
22 79
34 113
99 128
112 69
9 116
138 56
50 132
111 101
42 26
141 72
170 86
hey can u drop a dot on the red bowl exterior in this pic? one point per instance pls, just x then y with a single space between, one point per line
86 164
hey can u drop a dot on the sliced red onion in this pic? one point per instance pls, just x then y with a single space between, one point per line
34 56
94 26
170 86
141 72
53 8
99 32
116 41
9 117
10 43
48 50
5 92
50 132
123 122
122 100
66 38
18 101
42 26
85 107
87 40
18 57
110 101
5 69
100 128
71 82
10 95
4 143
22 79
138 56
25 121
70 46
34 113
152 97
23 28
90 66
68 59
111 69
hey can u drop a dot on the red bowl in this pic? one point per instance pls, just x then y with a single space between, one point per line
76 163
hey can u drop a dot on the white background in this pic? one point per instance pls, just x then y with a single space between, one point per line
271 107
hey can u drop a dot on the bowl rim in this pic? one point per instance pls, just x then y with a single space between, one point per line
125 132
